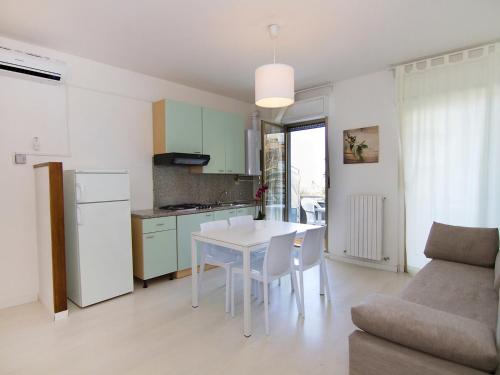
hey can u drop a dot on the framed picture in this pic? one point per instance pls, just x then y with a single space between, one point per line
361 145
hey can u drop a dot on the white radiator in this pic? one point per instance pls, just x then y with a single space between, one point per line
364 226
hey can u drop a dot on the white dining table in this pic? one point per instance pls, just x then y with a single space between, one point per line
245 239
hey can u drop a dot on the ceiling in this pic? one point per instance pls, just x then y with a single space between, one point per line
216 45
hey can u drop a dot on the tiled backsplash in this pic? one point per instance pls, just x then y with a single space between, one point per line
175 185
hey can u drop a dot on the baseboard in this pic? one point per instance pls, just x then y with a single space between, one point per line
61 315
385 267
19 300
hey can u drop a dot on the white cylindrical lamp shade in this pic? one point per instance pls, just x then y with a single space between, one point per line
274 86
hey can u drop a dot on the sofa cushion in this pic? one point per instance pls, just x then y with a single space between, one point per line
456 288
444 335
371 355
476 246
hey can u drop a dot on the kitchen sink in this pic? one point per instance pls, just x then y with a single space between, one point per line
228 204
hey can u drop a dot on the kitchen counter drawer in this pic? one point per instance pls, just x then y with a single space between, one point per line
158 224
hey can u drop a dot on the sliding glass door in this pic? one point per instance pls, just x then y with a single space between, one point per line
307 172
274 170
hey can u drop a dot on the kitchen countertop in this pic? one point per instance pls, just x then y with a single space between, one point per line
156 212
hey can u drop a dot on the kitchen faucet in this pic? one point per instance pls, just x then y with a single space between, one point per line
219 201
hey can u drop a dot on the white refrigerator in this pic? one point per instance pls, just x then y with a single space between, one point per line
98 235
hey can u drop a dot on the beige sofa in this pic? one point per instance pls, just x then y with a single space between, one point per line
445 321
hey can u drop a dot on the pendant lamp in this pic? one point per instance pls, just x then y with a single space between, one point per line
274 83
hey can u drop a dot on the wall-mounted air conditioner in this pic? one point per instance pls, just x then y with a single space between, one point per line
32 65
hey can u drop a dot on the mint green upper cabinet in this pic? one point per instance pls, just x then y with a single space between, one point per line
187 224
184 127
235 145
224 141
177 127
214 133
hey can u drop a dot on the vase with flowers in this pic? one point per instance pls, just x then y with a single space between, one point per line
260 201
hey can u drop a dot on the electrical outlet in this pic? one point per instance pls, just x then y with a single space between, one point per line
20 158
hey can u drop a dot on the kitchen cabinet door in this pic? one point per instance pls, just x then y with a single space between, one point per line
246 211
187 224
183 130
214 133
160 253
225 214
235 144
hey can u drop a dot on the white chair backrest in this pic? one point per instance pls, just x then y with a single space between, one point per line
277 260
241 220
209 226
214 225
312 246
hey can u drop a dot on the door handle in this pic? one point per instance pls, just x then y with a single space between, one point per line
150 236
79 192
79 220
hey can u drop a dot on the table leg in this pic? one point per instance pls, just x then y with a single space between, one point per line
194 273
247 314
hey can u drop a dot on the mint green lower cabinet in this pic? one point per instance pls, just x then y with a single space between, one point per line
187 224
160 253
225 214
246 211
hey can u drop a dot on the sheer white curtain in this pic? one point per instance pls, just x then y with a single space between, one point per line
450 142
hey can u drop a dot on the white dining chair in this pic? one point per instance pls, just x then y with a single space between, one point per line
277 262
241 220
247 220
310 254
217 256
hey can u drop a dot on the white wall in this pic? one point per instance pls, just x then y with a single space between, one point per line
359 102
108 112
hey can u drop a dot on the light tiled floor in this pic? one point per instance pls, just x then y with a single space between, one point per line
155 330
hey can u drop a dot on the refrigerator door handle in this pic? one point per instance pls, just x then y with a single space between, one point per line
79 192
79 220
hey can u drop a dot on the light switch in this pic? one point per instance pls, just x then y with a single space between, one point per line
36 144
20 158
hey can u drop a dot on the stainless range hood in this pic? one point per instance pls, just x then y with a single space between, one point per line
180 158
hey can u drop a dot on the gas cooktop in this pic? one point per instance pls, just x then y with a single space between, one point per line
186 206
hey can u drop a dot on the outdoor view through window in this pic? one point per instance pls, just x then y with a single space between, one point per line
307 176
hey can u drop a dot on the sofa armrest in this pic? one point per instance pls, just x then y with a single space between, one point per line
444 335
